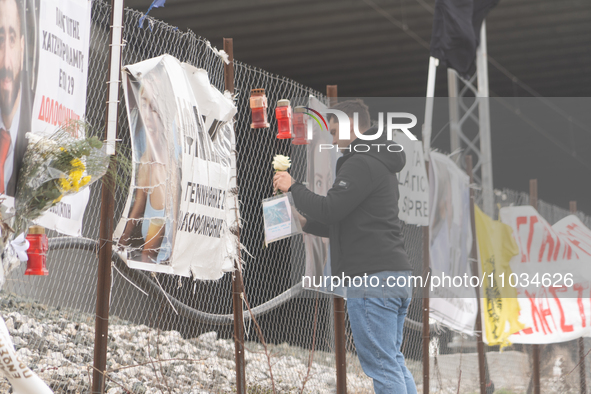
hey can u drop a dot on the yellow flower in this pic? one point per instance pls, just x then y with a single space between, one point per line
77 164
75 176
64 185
75 180
85 181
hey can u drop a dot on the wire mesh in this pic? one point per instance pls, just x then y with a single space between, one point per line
168 343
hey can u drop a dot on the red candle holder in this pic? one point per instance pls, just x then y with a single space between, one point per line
283 114
299 127
258 107
37 252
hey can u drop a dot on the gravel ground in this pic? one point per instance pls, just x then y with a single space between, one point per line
58 346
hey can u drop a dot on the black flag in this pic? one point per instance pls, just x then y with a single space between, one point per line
456 32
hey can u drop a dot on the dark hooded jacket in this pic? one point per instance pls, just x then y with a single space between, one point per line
360 212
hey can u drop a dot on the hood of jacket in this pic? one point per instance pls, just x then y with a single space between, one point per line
384 150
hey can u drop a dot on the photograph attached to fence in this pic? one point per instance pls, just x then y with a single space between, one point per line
281 220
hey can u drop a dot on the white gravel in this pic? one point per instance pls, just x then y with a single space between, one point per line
58 346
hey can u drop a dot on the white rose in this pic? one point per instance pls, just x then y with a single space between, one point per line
281 163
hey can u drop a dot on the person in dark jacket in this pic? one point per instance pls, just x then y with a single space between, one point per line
359 215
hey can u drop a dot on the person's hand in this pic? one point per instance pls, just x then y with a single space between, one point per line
282 181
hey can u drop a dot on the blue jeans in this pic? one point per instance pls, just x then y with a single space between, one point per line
377 323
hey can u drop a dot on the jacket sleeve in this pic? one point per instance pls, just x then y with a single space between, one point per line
352 185
316 228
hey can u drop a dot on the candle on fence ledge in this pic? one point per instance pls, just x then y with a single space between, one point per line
299 127
37 252
258 106
283 114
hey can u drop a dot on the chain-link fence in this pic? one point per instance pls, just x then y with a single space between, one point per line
173 335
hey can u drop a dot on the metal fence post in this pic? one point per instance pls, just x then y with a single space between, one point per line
580 341
103 290
479 343
426 334
339 306
533 201
237 284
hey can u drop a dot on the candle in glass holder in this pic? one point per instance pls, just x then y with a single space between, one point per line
37 251
283 114
258 106
299 127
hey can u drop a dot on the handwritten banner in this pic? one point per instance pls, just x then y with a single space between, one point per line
551 275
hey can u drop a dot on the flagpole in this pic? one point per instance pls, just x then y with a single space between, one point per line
426 334
486 170
433 63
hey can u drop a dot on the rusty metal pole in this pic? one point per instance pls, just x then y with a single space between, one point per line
237 284
332 93
339 306
474 255
103 289
533 201
581 341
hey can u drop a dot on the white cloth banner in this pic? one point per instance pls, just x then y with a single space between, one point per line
60 94
551 275
181 205
413 204
22 379
450 243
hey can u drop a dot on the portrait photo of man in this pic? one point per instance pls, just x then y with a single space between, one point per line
15 108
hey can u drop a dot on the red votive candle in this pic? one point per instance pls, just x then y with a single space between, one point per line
283 114
37 252
299 127
258 106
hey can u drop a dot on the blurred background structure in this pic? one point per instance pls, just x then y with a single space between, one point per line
380 48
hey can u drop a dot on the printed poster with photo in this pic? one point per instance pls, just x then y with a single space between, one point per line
180 207
45 86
